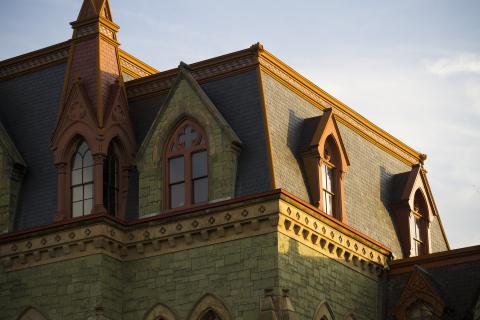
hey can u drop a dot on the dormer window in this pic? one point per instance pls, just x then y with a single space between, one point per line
187 166
325 163
110 182
418 225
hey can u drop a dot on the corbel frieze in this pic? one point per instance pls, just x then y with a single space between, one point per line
142 239
160 235
328 240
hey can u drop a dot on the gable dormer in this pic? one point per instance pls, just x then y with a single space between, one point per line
189 150
414 211
325 163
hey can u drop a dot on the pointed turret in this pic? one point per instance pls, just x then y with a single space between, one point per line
93 107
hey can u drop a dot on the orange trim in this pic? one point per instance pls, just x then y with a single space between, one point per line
343 226
266 128
436 260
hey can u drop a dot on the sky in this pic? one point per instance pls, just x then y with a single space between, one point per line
412 67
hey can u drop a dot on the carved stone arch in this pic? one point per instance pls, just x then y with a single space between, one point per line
160 312
69 138
170 128
323 312
210 302
420 288
31 314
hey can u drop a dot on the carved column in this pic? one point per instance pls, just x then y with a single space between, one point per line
98 207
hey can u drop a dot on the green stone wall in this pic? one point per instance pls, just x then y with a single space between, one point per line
312 278
237 271
10 181
64 290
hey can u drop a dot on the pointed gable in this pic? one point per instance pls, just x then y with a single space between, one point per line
421 288
187 101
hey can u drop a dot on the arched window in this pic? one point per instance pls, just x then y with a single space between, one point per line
110 182
328 178
420 310
82 181
187 166
418 225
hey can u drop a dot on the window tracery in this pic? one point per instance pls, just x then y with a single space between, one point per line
187 166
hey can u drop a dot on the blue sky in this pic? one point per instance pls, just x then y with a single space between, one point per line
411 67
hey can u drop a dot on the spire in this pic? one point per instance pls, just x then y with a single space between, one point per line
94 104
95 9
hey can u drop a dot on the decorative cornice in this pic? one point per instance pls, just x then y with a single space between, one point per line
172 232
436 260
34 60
201 71
321 99
58 53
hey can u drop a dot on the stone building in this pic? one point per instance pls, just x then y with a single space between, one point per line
230 188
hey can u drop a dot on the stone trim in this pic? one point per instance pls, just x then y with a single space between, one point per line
210 302
329 241
159 235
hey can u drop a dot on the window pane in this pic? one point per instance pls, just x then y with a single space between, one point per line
176 169
77 164
83 147
76 177
87 174
177 195
77 209
77 193
87 159
88 191
329 179
200 190
328 200
87 206
199 164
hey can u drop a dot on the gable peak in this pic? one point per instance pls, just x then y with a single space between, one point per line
95 9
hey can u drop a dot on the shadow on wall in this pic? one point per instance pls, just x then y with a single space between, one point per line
319 283
387 188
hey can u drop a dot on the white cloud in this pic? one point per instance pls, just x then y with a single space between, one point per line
463 63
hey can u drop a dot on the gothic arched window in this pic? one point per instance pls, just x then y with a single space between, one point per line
418 225
82 181
187 166
420 310
328 178
110 182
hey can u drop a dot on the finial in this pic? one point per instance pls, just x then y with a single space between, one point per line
257 46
